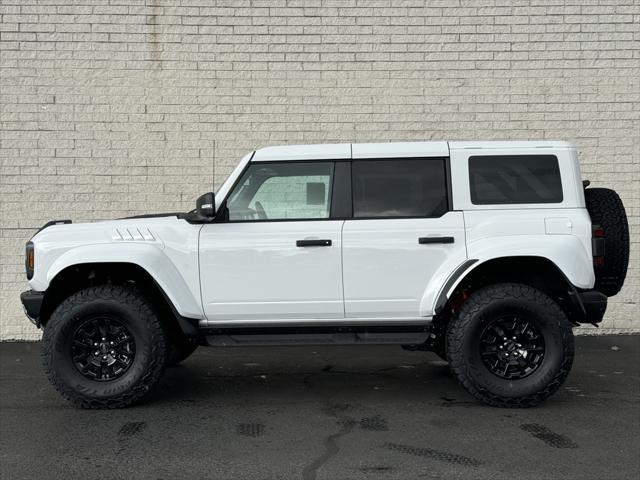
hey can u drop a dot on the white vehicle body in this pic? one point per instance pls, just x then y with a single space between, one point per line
374 271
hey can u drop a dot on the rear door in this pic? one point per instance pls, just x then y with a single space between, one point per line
403 235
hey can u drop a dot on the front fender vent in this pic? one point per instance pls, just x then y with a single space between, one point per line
133 235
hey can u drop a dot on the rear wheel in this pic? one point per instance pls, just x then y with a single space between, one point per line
103 347
607 211
510 345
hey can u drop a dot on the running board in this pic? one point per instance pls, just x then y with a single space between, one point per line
395 335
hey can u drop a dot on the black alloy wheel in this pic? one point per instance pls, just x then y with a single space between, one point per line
512 347
102 348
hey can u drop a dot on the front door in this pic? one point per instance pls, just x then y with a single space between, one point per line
401 235
277 255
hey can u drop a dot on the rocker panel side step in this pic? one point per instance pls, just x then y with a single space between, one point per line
400 335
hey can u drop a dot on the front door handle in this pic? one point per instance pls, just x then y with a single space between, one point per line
313 243
428 240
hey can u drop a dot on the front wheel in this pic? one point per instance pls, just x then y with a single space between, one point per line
510 345
104 347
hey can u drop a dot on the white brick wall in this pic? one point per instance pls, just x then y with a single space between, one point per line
111 108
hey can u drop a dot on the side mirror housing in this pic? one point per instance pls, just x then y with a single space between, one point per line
206 206
205 210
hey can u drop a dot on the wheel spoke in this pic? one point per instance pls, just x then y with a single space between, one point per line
499 330
120 342
81 344
86 367
121 362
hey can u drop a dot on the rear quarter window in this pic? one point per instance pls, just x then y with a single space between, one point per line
514 179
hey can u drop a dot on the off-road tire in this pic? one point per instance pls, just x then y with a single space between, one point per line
606 210
463 345
180 348
135 313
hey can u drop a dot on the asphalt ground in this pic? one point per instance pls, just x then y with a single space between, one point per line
374 412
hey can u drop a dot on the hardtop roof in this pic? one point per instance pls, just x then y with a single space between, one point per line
342 151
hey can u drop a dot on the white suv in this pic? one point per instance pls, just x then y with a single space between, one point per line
487 253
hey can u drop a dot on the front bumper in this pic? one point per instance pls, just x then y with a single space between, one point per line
32 304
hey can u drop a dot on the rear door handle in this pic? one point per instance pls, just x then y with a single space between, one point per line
313 243
428 240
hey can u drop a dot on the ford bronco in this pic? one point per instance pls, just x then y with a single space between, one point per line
486 253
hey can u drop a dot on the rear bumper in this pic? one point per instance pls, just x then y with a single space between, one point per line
32 304
594 304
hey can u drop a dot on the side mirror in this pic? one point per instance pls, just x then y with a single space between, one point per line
206 205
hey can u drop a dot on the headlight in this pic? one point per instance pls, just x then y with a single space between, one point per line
29 260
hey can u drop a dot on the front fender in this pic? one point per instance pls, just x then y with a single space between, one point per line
166 248
149 257
145 256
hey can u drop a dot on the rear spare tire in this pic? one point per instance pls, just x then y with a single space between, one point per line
607 212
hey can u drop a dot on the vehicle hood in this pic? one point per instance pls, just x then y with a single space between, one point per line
142 228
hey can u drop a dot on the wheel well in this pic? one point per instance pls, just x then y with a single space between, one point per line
537 272
78 277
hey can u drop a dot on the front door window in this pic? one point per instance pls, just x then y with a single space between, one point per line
282 191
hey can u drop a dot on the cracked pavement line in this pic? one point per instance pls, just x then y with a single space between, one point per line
331 446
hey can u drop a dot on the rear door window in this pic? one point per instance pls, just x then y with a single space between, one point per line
514 179
399 188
